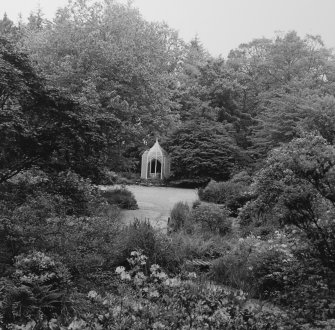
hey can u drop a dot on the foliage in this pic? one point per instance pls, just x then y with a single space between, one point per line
37 290
154 300
202 149
47 221
107 82
121 197
308 288
253 265
281 78
120 68
232 194
198 246
40 126
178 215
296 188
209 218
281 270
141 235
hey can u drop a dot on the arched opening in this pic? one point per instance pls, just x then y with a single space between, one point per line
155 168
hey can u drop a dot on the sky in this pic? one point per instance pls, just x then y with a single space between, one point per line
221 25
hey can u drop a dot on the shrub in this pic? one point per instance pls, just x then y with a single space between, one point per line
85 244
242 177
141 235
41 223
188 182
178 215
81 197
37 290
25 227
121 197
233 194
255 266
148 298
209 218
197 246
108 177
257 219
308 286
195 204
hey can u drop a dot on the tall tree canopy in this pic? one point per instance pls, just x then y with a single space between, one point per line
39 126
108 58
280 77
203 149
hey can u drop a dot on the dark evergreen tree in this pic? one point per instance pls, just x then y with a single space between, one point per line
203 149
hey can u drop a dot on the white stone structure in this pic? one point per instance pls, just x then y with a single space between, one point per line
155 163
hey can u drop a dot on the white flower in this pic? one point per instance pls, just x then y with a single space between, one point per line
119 270
154 268
172 282
192 275
125 276
154 294
139 278
92 294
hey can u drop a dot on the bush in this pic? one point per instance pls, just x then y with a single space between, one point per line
308 286
37 290
41 223
121 197
197 246
148 298
209 218
141 235
24 227
85 244
188 183
178 215
108 177
255 266
196 203
233 194
81 197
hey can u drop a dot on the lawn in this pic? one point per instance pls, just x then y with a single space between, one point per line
155 203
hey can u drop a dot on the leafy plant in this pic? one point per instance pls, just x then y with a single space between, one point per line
156 246
37 289
178 215
209 218
121 197
230 193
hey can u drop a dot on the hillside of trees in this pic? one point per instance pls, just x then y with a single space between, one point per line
83 95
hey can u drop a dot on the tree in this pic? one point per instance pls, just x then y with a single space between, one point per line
6 25
296 188
279 77
202 149
40 126
115 64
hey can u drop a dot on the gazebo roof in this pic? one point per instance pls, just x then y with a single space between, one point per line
156 151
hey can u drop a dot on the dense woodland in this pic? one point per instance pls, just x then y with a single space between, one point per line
83 95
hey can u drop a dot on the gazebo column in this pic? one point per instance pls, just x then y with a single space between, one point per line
155 168
162 166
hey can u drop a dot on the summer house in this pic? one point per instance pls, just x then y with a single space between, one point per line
155 163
